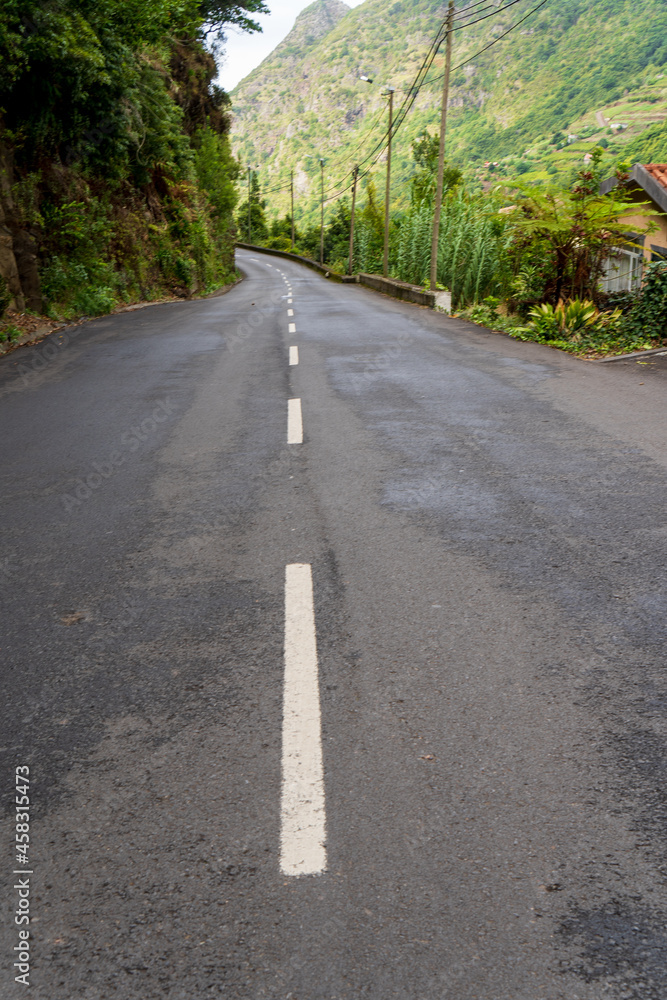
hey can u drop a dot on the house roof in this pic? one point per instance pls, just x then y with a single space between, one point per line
659 171
651 177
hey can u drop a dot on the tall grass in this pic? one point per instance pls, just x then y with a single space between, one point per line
470 250
368 249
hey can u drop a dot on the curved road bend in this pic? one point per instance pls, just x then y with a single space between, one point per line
379 713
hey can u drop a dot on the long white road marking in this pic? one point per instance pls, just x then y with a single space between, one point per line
303 817
290 312
292 328
294 422
294 355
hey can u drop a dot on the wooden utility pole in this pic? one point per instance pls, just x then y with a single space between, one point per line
292 194
249 218
355 174
322 212
441 155
385 266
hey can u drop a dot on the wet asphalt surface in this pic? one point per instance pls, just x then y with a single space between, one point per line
486 524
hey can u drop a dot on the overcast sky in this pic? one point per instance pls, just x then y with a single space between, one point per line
244 52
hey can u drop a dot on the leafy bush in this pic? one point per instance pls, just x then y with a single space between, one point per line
9 333
648 316
568 320
283 243
573 231
91 301
73 288
580 327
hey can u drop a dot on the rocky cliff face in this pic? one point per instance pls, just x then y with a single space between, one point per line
311 26
314 23
18 261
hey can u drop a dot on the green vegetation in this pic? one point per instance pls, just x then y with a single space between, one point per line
5 296
118 176
650 146
649 315
471 248
573 232
251 226
535 123
513 111
522 260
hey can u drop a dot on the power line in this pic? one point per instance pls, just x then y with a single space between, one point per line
494 42
470 58
363 142
369 134
413 91
498 10
465 62
469 11
484 4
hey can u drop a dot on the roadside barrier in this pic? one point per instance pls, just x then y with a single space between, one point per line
388 286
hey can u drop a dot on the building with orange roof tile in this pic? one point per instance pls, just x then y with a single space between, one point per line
647 185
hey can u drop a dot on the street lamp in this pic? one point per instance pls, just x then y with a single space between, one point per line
388 92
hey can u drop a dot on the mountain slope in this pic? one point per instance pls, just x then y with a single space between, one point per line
562 69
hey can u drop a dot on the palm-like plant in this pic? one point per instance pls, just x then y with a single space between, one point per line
570 320
577 229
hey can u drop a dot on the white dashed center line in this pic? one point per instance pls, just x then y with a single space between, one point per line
292 328
290 312
303 818
294 422
294 355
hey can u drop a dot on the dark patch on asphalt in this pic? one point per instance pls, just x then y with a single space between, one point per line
642 757
622 943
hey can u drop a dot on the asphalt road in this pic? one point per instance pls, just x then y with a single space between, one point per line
485 525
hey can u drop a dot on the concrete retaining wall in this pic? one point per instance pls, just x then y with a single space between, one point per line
397 289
